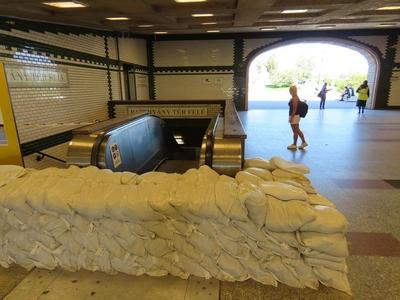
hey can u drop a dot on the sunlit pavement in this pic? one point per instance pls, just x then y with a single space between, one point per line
311 104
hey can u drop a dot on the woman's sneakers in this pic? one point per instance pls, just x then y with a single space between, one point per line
303 146
292 147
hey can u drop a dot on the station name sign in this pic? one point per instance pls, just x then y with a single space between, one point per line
169 110
24 76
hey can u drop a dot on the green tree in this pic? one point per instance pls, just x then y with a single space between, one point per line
354 80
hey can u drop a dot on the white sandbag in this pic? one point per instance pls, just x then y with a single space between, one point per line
182 228
210 265
287 216
243 176
136 206
301 271
69 243
255 202
206 174
279 249
182 195
289 166
308 252
261 254
163 230
172 268
111 245
281 272
18 256
60 196
158 247
258 162
42 259
284 174
139 231
335 279
328 220
316 262
204 244
252 266
283 191
127 265
182 246
230 232
203 203
236 249
286 238
250 230
318 199
207 228
128 178
333 244
13 196
227 200
192 267
159 199
264 174
232 266
9 173
89 240
134 245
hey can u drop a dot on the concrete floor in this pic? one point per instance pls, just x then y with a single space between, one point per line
350 157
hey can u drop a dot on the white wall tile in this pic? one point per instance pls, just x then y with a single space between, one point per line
193 86
133 50
193 53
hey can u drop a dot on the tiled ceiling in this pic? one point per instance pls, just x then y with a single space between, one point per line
228 15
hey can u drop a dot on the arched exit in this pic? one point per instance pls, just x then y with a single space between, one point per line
372 57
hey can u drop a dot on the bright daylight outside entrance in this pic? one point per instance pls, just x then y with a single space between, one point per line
307 65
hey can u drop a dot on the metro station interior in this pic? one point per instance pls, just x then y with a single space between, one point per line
133 164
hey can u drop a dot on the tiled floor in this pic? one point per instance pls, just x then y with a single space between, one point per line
354 161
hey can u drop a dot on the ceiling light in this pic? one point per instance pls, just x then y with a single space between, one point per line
160 32
387 24
118 18
145 25
294 11
326 26
66 4
388 8
267 28
276 20
189 1
209 23
202 15
211 31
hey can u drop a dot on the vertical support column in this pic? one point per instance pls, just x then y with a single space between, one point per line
150 65
10 151
110 98
388 64
239 77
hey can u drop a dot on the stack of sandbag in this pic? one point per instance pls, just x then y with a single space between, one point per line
268 224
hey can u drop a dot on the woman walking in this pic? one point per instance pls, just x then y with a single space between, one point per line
294 120
363 94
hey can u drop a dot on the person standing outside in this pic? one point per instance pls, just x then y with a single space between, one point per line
322 95
294 120
362 97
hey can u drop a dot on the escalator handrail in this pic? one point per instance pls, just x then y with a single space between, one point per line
210 135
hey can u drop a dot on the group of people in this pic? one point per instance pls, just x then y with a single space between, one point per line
294 115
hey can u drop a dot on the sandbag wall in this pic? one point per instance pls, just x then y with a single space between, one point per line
268 224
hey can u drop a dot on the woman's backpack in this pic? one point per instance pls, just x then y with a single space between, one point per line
302 109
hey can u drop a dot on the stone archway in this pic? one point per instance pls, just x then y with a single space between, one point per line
372 56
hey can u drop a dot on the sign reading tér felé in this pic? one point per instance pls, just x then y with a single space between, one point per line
169 111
